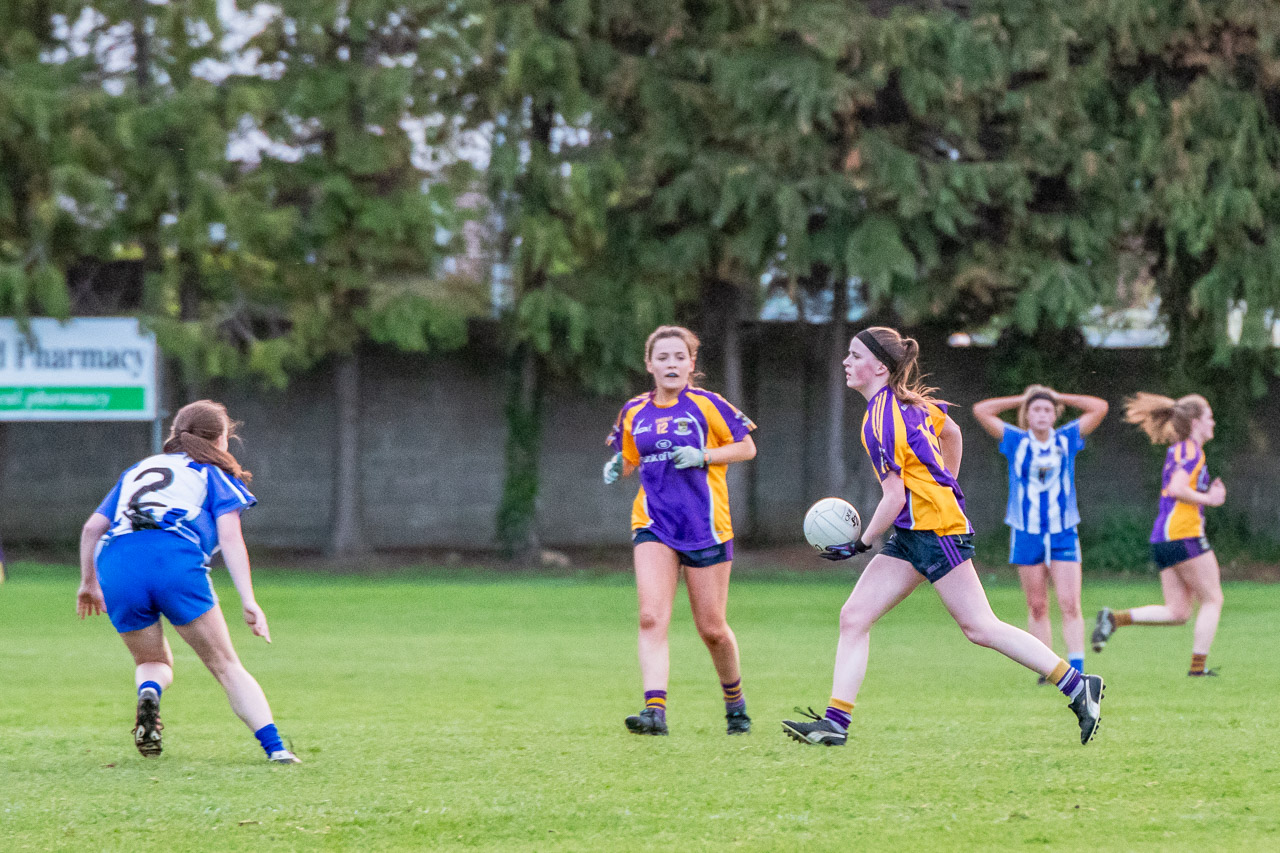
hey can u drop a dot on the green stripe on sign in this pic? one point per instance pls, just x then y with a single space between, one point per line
66 399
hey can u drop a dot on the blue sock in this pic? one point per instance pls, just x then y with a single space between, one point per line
269 738
1077 663
156 687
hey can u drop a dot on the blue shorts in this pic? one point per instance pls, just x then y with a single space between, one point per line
151 572
1169 554
698 559
928 553
1037 549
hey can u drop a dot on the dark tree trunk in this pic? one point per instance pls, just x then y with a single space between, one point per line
518 512
4 458
837 391
348 536
734 392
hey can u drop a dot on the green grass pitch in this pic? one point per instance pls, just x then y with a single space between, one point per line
468 712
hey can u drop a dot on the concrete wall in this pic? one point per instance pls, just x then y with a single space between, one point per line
432 451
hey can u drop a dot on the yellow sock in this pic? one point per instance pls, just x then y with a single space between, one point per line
1197 662
1122 618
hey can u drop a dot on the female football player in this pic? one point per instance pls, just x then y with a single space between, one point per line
1042 513
681 438
1188 566
145 552
915 450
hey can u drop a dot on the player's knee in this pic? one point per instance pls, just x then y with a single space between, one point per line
1213 598
853 620
1180 613
1070 609
1038 611
980 632
652 621
715 636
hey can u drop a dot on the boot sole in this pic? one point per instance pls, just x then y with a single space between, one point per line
146 731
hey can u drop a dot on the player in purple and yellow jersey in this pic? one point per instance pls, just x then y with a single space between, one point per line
915 449
681 439
145 553
1188 566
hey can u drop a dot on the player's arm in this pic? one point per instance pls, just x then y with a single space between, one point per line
892 499
236 556
89 601
1180 487
739 451
952 442
988 414
1094 409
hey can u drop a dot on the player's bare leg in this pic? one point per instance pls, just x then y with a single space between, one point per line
709 599
965 599
657 575
884 584
208 636
153 673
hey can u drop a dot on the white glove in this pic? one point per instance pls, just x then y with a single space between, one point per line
613 469
689 457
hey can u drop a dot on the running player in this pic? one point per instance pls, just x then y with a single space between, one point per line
1188 566
1042 513
915 449
681 438
146 551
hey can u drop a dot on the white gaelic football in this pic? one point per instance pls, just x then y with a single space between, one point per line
831 521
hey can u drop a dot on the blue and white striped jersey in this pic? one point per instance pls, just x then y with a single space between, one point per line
173 492
1042 479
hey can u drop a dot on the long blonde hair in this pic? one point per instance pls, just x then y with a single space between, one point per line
1035 392
905 379
1164 419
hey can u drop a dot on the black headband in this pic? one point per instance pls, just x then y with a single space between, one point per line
1042 395
869 340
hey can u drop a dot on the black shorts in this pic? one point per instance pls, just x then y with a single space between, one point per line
699 559
1169 554
928 553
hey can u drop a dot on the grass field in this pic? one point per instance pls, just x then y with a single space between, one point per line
467 712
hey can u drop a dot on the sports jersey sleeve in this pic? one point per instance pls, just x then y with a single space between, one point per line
621 438
725 423
1185 456
226 493
1075 438
1010 439
883 446
111 502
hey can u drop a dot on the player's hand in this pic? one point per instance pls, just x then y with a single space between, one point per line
1217 494
256 620
845 551
89 601
613 469
689 457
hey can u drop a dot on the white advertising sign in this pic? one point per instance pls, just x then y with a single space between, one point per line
91 369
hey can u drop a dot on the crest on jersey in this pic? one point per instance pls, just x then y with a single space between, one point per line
684 426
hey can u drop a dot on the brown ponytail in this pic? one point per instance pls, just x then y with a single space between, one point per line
905 380
194 431
1164 419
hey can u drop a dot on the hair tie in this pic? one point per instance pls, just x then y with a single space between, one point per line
869 340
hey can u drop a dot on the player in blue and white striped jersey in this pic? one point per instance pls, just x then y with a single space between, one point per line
145 553
1043 513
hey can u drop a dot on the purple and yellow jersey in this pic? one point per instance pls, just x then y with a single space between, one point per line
1179 519
904 440
688 509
